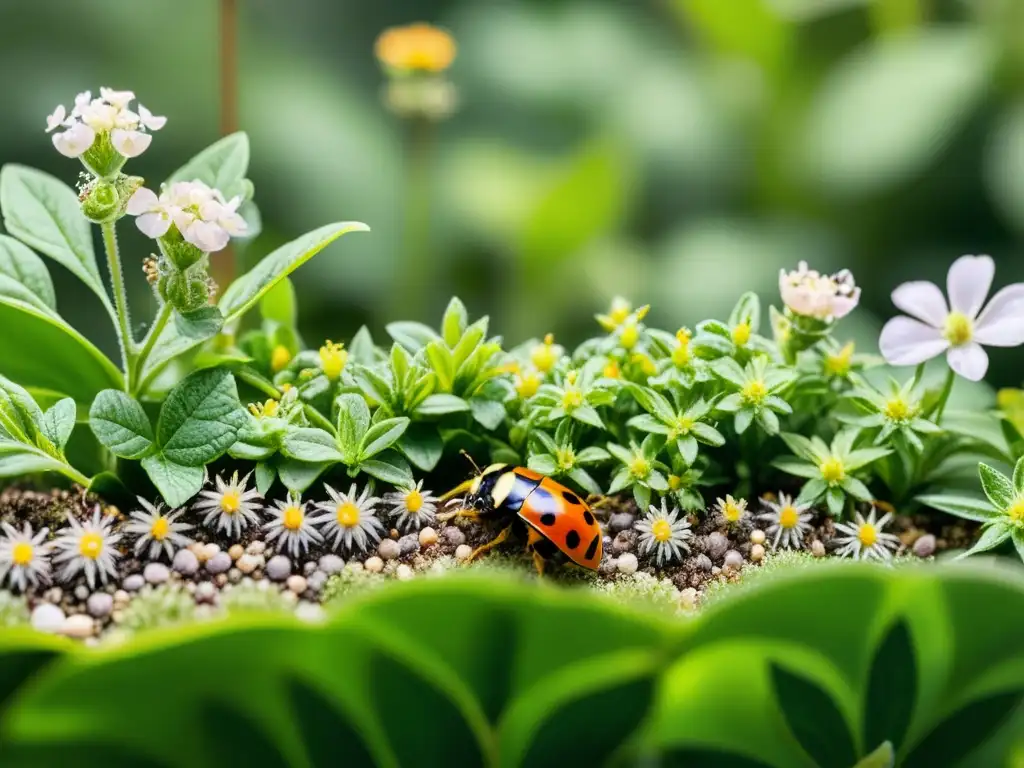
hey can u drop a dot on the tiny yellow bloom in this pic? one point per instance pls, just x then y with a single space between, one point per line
958 329
612 371
617 314
1016 511
629 336
416 47
789 517
640 467
544 355
644 363
566 458
741 334
332 359
414 500
230 501
293 517
265 410
754 392
279 358
838 364
348 515
675 482
898 409
572 398
732 510
868 534
527 384
681 354
832 470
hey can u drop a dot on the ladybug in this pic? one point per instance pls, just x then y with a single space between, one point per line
559 524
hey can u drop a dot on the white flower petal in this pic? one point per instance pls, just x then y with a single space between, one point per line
207 236
908 342
56 119
844 305
234 224
922 300
143 201
119 99
150 121
1002 322
130 143
75 140
969 361
99 116
82 100
968 282
153 224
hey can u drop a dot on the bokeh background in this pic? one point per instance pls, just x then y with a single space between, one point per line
677 152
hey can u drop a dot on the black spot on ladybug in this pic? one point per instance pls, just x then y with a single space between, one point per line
572 539
571 497
587 517
592 549
548 518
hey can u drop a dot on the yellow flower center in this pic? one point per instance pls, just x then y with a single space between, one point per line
675 482
21 553
230 501
348 515
332 359
731 511
611 371
267 410
90 545
640 467
414 501
832 470
572 398
619 312
647 366
682 426
1016 512
566 458
754 392
160 528
543 355
959 329
839 363
629 337
661 530
279 358
681 354
898 409
789 517
867 534
527 385
293 517
741 334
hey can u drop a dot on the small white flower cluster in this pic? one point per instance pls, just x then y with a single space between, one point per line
201 214
823 297
109 114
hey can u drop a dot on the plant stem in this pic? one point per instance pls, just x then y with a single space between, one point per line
414 268
120 300
258 382
944 396
75 476
150 341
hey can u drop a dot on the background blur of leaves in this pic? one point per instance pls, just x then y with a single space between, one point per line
675 151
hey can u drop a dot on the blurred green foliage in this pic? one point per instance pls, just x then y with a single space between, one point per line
677 151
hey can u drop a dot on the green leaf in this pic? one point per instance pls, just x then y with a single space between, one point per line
892 685
18 459
422 446
202 323
1018 476
652 401
23 266
864 456
743 420
967 507
298 476
454 322
361 348
883 757
794 466
59 422
176 482
802 447
583 479
728 369
266 474
747 310
687 446
963 731
440 404
382 435
222 165
353 422
857 489
200 418
814 719
442 363
373 385
751 29
279 305
413 336
997 487
991 537
44 213
389 467
835 500
488 413
311 444
587 415
544 463
592 455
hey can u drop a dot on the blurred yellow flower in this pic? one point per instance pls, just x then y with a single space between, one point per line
416 47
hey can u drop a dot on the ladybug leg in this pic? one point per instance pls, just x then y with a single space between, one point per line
490 544
465 514
538 563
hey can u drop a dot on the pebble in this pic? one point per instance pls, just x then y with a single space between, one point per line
185 562
624 541
354 565
256 547
236 551
247 563
331 564
715 571
100 605
308 567
47 617
733 559
234 575
81 592
219 563
620 521
925 546
428 537
279 568
717 545
453 535
756 553
688 599
198 549
205 591
290 597
117 617
463 551
211 550
78 625
404 572
374 564
134 583
316 580
156 573
388 549
121 597
220 579
297 584
627 563
409 544
53 595
608 566
703 562
307 611
757 536
817 548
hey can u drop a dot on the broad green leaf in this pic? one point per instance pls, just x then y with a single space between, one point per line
312 445
413 336
201 324
544 463
752 29
222 165
298 476
200 418
883 757
389 467
813 718
454 322
353 422
279 305
120 423
652 401
892 686
442 363
176 483
991 537
422 446
381 435
997 487
440 404
23 266
361 348
266 474
59 422
488 413
44 213
18 459
966 507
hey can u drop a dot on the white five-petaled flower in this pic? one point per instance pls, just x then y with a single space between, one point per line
200 213
350 518
290 523
824 297
24 558
109 114
664 534
231 506
159 531
865 539
787 522
88 547
413 507
959 329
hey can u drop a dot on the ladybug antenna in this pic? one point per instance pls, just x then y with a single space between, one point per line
470 459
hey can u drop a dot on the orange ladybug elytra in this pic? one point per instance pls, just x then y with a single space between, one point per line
558 522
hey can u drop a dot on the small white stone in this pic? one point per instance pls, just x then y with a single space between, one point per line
296 584
756 553
311 612
733 560
81 592
404 572
757 536
121 597
100 604
47 617
279 568
627 563
156 573
256 548
817 548
428 537
219 563
205 591
463 551
373 564
247 563
236 551
688 599
134 583
185 562
78 625
331 564
388 549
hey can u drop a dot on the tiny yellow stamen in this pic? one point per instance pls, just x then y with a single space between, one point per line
838 364
417 46
527 384
90 545
293 517
675 482
682 426
958 329
898 409
681 354
640 467
1016 511
612 371
867 534
230 501
741 334
544 355
754 392
572 398
267 410
789 517
620 311
332 359
566 458
21 553
160 529
832 470
348 515
414 501
644 362
279 358
661 530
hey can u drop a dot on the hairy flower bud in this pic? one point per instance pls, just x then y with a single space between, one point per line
101 202
178 251
102 159
185 290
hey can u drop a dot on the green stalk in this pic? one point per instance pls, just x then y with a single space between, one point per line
150 341
120 301
415 266
947 387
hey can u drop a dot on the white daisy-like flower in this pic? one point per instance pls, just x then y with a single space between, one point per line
413 507
811 294
24 558
664 534
866 540
158 530
290 523
231 507
732 510
88 547
200 213
350 518
787 522
108 115
961 328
